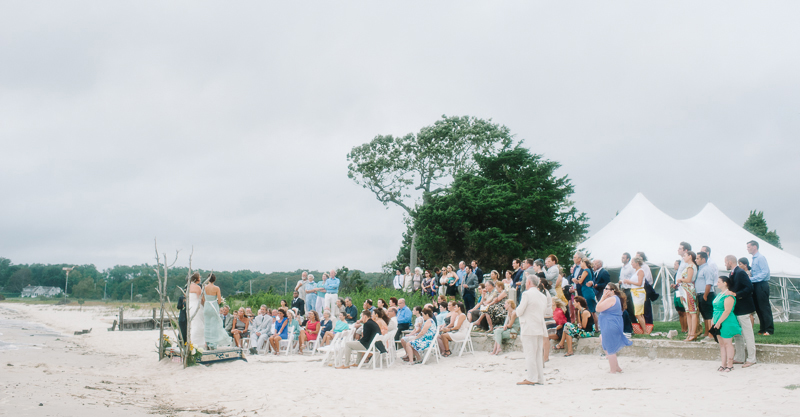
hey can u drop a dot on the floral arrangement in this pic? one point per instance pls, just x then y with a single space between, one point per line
195 354
166 343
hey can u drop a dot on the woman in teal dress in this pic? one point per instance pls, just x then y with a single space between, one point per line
725 322
215 334
423 340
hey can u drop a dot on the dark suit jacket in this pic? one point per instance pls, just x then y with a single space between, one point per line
744 292
182 309
601 279
517 277
300 305
478 273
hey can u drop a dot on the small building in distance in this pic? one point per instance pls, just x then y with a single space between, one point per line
39 291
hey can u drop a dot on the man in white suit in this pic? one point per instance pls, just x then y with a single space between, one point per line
531 312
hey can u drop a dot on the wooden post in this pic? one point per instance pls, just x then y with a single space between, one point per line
154 320
120 319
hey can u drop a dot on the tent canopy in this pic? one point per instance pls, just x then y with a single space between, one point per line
641 226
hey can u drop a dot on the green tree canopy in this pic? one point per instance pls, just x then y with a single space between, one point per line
512 206
409 170
757 225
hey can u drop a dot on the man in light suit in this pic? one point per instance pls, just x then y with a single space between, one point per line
260 330
533 330
227 319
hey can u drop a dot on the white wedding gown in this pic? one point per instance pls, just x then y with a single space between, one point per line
198 329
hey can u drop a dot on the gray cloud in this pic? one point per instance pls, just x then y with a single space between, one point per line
227 126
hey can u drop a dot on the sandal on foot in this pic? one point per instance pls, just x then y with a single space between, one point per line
446 353
720 369
728 369
569 354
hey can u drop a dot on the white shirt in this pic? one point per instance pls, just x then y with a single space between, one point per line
626 273
397 282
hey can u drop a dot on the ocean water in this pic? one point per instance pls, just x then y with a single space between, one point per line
20 334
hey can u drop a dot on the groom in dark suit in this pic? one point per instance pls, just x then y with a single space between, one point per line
182 317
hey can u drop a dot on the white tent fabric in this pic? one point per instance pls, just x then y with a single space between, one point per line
641 226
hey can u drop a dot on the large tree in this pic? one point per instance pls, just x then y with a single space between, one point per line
757 225
408 171
512 206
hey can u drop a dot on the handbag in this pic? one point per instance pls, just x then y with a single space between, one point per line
714 332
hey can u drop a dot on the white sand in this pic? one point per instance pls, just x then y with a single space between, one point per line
118 373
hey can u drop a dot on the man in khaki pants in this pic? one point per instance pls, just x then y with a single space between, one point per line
533 330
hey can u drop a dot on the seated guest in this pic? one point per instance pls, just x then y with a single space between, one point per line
511 326
350 311
417 313
392 313
340 326
227 319
241 324
403 317
371 329
294 324
260 330
325 326
249 313
725 322
281 331
393 302
573 331
442 318
421 341
494 312
456 331
284 304
340 306
559 315
368 305
480 306
381 303
310 333
380 317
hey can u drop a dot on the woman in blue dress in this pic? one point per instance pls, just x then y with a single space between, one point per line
423 340
281 330
609 311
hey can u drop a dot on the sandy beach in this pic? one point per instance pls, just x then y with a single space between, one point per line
46 371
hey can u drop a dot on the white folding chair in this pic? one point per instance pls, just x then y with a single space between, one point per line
391 348
434 347
466 342
288 345
333 350
370 350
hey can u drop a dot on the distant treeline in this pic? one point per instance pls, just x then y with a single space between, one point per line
139 282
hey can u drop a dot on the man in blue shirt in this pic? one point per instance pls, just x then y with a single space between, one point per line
704 286
330 287
462 273
760 278
403 318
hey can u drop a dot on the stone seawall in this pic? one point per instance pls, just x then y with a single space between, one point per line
660 348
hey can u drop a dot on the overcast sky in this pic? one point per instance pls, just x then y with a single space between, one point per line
226 125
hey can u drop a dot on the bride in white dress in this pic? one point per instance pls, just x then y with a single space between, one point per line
197 320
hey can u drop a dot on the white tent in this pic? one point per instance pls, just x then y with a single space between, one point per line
641 226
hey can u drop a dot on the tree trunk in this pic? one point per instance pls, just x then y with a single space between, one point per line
413 260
